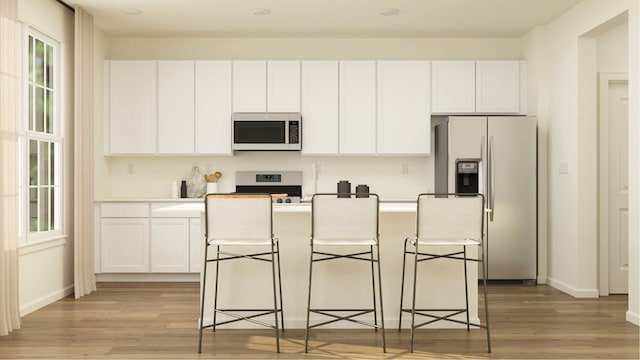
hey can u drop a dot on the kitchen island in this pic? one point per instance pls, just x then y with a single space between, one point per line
341 284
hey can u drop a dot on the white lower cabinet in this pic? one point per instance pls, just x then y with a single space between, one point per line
170 245
124 245
148 238
124 237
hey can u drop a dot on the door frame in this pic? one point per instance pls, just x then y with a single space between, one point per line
605 79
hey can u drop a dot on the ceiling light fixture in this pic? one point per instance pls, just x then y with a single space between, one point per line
260 12
131 11
389 12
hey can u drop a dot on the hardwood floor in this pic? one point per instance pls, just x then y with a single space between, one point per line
158 321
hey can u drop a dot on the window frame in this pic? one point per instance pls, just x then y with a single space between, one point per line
56 137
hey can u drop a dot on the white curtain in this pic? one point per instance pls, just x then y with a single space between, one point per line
9 106
83 235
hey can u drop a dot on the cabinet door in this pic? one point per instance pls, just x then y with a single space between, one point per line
124 245
357 107
196 246
176 99
453 87
213 108
170 245
283 86
320 107
132 107
498 87
249 86
404 115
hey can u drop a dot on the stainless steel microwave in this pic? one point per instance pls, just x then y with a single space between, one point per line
266 131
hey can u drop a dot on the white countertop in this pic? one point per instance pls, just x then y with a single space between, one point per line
194 208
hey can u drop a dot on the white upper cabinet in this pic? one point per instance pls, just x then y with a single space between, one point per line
131 107
498 87
213 107
260 86
357 107
249 86
404 114
319 107
478 87
453 87
283 86
176 97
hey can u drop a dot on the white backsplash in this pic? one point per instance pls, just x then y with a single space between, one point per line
392 177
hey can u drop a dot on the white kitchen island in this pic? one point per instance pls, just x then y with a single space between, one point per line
338 284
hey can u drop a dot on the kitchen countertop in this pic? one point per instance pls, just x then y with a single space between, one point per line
193 206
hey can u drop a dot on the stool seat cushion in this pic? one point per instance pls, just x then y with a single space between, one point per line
446 242
244 242
344 242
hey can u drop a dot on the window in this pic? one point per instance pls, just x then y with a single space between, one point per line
42 141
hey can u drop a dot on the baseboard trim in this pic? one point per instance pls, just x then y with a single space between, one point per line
633 318
573 291
148 277
45 300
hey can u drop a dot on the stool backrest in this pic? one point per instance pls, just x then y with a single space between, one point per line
447 216
238 217
340 218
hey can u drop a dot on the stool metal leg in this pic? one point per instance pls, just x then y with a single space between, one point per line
486 303
204 287
306 333
215 291
413 305
280 286
384 340
466 286
373 287
275 296
404 262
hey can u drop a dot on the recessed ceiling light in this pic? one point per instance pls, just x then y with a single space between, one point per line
390 12
131 11
260 12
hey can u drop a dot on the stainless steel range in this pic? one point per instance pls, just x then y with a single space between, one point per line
273 182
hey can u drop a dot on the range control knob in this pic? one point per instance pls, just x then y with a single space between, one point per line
279 201
288 200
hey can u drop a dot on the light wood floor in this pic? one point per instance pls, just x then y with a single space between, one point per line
157 321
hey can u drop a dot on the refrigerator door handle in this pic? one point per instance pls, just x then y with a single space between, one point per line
482 161
491 193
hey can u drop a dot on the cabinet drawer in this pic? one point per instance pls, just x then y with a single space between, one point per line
124 210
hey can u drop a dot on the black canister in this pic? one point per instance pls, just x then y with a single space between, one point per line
183 189
362 191
344 189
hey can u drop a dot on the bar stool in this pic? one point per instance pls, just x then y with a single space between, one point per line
347 222
243 224
446 220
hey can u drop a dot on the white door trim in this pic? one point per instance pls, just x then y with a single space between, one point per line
605 79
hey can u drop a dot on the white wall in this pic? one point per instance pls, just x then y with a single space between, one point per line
566 101
46 269
297 48
612 48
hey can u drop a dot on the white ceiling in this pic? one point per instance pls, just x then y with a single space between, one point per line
424 18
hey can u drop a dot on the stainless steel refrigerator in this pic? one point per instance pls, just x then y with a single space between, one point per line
505 150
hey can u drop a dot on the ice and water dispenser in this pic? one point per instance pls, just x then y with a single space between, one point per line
467 176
